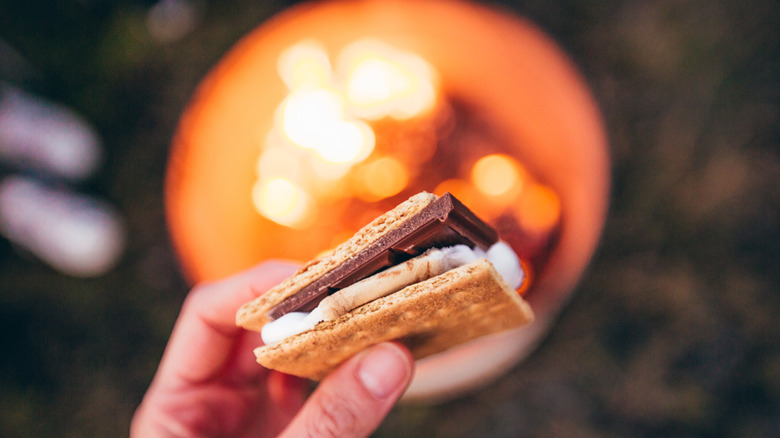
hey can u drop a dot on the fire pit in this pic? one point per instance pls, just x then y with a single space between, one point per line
333 112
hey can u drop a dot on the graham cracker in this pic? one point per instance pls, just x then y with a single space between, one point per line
428 317
252 315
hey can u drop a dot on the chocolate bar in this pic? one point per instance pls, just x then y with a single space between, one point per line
445 222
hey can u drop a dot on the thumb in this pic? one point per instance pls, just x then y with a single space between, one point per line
353 400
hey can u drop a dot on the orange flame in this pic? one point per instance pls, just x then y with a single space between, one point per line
322 126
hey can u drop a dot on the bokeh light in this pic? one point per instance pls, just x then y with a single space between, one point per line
497 175
539 209
283 202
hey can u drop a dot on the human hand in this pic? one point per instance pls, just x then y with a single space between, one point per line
208 383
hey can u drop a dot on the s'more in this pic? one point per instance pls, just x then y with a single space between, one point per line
428 273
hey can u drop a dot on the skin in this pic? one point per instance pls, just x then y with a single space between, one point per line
208 383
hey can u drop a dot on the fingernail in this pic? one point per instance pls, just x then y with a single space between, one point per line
383 369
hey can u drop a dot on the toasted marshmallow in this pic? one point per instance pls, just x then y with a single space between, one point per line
431 263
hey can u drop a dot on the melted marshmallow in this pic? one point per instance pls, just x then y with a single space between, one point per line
499 254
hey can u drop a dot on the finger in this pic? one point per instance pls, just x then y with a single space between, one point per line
205 334
287 393
354 399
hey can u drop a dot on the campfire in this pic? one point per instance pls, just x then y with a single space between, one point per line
366 125
333 112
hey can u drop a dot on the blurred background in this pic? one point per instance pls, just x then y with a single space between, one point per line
672 331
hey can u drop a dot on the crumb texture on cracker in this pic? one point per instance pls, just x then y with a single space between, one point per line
252 315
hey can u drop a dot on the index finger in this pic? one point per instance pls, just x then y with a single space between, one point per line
205 335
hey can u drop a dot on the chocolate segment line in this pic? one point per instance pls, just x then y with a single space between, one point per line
445 222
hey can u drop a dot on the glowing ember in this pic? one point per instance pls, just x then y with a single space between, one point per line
382 178
383 81
305 64
321 130
283 202
363 129
539 209
497 175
